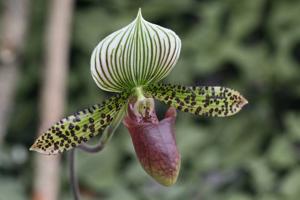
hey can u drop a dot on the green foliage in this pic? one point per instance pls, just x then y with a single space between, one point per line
251 46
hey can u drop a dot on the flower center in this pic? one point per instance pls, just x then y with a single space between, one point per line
143 107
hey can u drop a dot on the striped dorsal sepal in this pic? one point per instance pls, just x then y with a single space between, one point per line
213 101
135 55
80 127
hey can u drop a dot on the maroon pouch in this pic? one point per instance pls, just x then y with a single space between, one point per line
155 144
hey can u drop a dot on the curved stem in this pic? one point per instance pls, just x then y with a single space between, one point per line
108 132
73 177
92 149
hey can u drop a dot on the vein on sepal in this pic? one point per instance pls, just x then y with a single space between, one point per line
136 55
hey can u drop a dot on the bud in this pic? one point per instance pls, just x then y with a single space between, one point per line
154 141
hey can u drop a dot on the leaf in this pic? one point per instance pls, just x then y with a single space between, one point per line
135 55
80 127
290 184
213 101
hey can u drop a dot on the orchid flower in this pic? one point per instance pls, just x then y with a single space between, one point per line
131 62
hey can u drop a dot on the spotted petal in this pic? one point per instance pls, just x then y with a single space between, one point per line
80 127
202 100
135 55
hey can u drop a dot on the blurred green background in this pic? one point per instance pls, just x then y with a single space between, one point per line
252 46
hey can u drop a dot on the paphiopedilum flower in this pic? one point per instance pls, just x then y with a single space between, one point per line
131 62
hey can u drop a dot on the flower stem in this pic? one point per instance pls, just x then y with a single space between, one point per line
73 177
91 149
108 132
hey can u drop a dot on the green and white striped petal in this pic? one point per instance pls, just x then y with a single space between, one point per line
80 127
213 101
136 55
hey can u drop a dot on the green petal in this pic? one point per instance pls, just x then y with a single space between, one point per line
202 100
135 55
80 127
